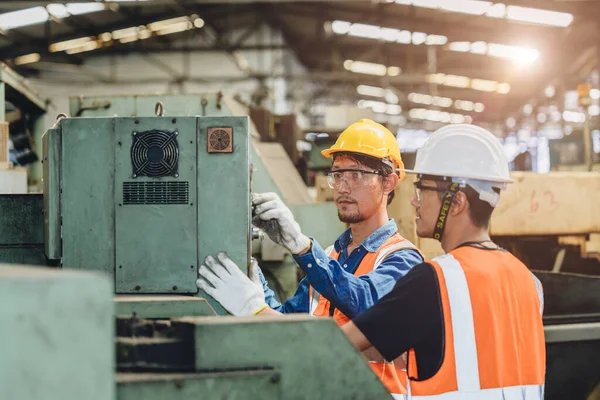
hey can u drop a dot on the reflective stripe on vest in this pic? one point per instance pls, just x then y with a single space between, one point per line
393 378
525 392
460 375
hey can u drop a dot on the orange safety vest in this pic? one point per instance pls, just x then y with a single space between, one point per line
393 378
494 336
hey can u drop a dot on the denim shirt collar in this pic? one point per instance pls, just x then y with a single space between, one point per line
372 242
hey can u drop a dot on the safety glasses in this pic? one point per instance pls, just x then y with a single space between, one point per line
419 188
352 177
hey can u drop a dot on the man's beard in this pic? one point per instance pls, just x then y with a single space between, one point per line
353 218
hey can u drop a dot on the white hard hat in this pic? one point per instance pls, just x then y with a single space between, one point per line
463 151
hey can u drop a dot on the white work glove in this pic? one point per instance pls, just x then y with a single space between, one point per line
277 221
226 283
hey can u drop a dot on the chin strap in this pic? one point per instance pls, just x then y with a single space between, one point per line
447 200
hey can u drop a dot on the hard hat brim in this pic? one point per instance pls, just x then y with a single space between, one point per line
465 176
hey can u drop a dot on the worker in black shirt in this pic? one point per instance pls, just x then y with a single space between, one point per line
470 320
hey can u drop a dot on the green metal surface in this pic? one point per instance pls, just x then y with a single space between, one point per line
57 332
21 219
52 218
148 248
320 220
144 105
21 229
166 306
233 385
30 255
87 202
156 244
315 359
224 196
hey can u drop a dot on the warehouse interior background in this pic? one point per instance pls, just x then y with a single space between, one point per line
512 67
300 72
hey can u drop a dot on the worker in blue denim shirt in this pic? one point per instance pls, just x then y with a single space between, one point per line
363 264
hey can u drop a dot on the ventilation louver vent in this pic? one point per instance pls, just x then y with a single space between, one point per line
154 154
156 192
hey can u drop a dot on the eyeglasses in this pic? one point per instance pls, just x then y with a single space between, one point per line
419 187
352 177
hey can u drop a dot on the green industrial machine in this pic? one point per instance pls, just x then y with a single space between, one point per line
147 199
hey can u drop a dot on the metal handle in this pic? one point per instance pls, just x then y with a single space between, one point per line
159 109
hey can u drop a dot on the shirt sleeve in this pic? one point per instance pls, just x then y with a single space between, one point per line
409 313
298 303
349 293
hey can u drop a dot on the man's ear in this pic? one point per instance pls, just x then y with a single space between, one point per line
389 183
460 204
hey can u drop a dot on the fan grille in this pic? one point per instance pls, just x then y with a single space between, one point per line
155 153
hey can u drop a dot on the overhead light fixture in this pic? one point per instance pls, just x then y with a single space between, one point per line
376 32
125 35
445 102
363 67
466 82
69 44
373 91
21 18
89 46
84 8
380 107
156 26
439 116
58 10
498 10
27 59
574 116
520 54
538 16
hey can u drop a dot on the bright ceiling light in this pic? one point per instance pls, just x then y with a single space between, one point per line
84 8
549 91
86 47
69 44
498 10
538 16
503 88
466 82
27 59
520 54
158 25
465 105
473 7
456 81
419 38
391 97
375 32
484 85
462 47
439 116
380 107
363 67
58 10
341 27
175 28
373 91
21 18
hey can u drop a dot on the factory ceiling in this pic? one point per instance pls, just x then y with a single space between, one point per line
484 59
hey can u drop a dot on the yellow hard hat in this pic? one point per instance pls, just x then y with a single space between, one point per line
369 138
